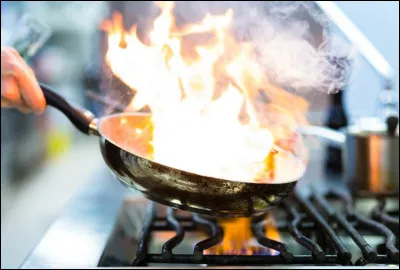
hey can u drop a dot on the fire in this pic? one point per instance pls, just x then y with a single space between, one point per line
239 240
202 87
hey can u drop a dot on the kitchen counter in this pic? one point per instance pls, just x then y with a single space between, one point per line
78 237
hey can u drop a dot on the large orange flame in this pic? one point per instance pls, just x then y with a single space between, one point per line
202 88
239 239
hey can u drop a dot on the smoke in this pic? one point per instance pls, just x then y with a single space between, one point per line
294 42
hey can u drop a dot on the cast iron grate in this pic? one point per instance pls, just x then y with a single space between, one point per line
321 225
312 214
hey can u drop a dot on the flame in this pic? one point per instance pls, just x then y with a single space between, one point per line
239 240
271 232
202 87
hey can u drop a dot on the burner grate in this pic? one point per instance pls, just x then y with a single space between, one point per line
307 216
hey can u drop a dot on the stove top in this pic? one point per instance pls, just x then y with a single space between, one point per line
329 228
105 224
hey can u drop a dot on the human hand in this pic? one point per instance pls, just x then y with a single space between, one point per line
19 86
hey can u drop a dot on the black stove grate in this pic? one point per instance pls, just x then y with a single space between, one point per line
312 221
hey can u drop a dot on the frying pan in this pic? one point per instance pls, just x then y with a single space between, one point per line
127 154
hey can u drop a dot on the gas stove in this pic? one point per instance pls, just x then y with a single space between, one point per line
322 225
330 228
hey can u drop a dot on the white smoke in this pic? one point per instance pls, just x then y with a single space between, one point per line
294 41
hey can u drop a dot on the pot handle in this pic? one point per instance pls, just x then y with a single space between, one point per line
83 120
335 137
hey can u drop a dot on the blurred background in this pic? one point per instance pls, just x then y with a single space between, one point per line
44 160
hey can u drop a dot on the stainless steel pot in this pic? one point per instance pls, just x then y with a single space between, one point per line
370 153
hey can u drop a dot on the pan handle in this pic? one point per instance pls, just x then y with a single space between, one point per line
83 120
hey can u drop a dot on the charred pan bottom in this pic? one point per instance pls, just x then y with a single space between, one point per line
191 192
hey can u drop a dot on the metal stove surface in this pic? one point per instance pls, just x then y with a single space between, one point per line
316 232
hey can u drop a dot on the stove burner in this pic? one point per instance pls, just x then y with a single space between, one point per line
316 223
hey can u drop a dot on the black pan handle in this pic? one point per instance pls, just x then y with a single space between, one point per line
82 119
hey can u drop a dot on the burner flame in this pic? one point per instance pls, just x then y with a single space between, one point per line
239 240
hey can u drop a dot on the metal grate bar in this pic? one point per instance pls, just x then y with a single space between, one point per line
211 260
379 213
304 226
366 249
390 242
393 252
167 227
316 250
216 236
174 241
302 218
343 254
258 231
181 219
141 251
